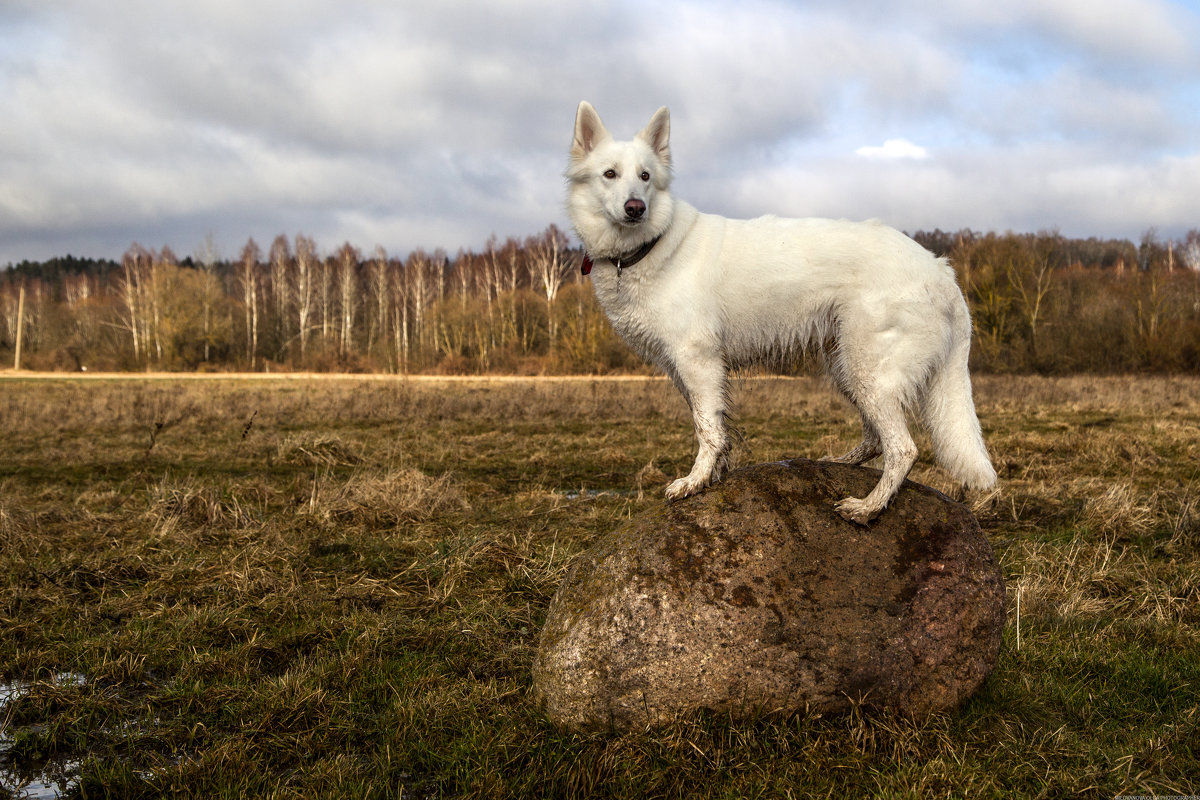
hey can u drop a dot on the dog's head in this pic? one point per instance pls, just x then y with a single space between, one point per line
619 189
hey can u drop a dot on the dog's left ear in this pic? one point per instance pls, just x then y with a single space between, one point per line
657 134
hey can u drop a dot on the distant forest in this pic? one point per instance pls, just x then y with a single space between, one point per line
1040 303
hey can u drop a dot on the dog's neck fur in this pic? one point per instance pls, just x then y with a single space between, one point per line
624 262
603 239
607 280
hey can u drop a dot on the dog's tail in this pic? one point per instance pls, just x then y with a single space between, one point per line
949 413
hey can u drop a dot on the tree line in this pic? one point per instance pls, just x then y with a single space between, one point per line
1040 303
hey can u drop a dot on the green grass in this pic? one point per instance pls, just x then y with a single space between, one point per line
333 588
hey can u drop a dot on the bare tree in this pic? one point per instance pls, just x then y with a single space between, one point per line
462 277
20 328
249 281
1151 303
136 267
1150 250
508 269
281 268
128 287
1189 251
9 303
207 257
77 289
418 273
441 263
491 272
548 266
302 286
491 275
162 264
325 268
516 271
347 258
377 283
1030 271
400 288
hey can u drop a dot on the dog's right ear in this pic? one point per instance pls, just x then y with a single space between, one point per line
589 131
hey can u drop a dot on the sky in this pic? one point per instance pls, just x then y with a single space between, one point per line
438 124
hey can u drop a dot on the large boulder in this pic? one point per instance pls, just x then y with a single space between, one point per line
754 597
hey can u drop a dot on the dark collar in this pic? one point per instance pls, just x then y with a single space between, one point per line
623 262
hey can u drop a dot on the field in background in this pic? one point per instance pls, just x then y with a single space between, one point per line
333 588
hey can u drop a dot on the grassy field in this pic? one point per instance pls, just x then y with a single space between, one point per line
333 588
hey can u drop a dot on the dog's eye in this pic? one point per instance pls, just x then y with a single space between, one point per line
610 173
645 175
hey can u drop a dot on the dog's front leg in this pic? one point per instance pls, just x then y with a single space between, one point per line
703 385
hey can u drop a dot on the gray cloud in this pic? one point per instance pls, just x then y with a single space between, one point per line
407 125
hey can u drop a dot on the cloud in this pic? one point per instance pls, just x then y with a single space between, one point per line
1138 31
418 125
1078 191
894 149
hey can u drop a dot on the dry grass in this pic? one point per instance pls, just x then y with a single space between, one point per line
397 496
332 588
319 450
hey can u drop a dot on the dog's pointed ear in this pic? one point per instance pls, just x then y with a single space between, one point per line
657 134
589 131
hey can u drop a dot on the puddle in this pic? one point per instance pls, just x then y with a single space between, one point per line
46 781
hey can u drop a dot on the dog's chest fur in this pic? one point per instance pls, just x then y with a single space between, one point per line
632 304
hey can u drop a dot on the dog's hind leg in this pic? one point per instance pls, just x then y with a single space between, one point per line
703 386
899 453
867 449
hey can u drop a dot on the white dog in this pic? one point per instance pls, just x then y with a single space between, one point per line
700 295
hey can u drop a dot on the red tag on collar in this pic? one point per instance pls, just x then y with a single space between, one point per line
587 264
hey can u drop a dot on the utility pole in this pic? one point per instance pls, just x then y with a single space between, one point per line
20 326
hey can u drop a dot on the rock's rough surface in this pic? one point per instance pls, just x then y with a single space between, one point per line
755 596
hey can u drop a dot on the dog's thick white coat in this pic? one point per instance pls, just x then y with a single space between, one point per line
715 294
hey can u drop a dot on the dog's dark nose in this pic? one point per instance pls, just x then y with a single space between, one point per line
634 209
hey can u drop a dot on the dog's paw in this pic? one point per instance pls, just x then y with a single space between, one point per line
856 510
683 487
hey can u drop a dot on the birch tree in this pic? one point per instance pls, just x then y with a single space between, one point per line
548 266
163 263
302 287
207 257
325 268
248 278
137 265
347 258
281 270
417 273
399 285
377 289
9 302
1190 250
